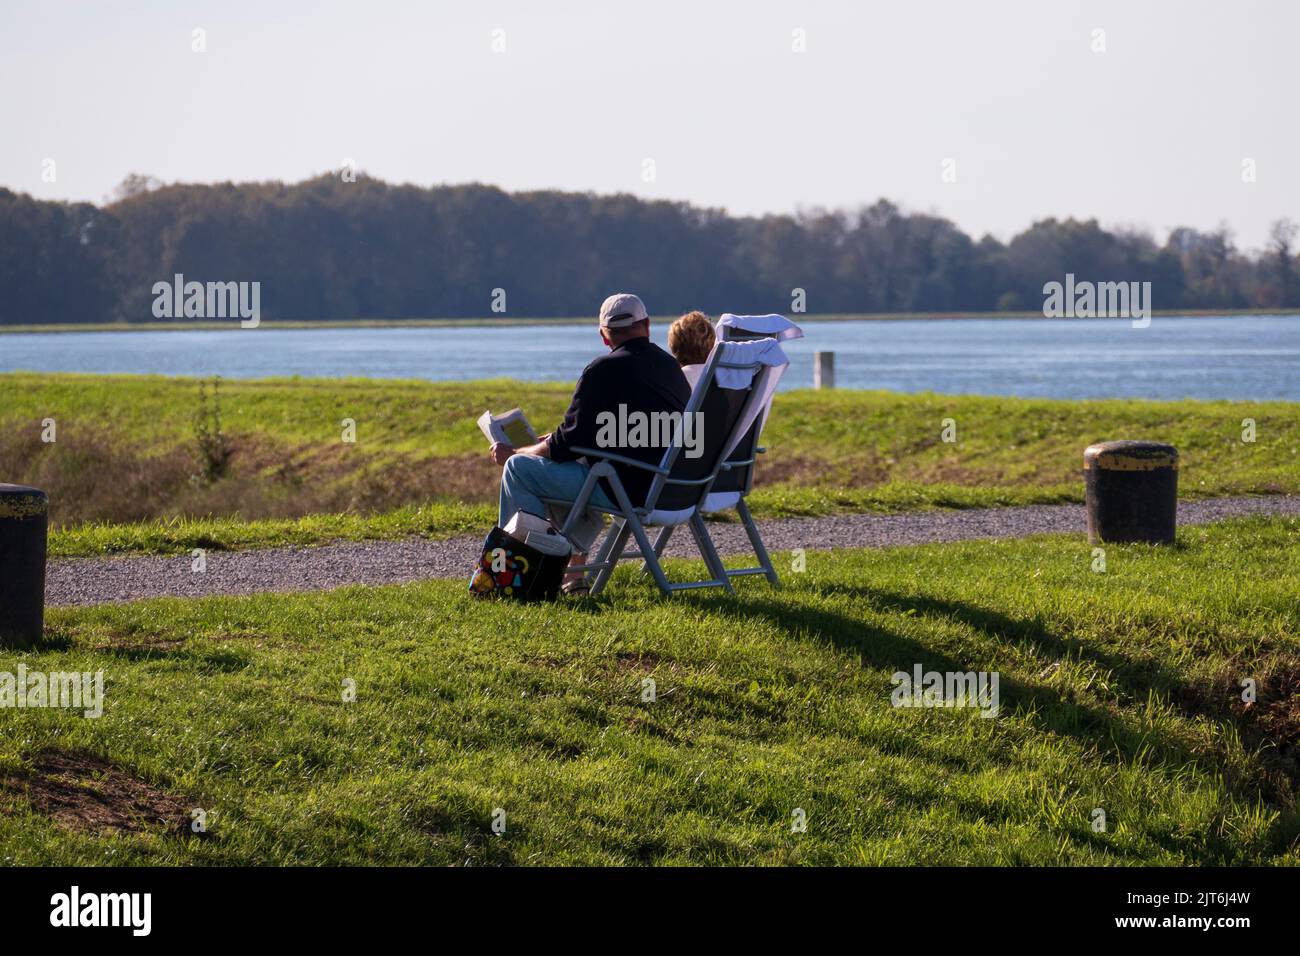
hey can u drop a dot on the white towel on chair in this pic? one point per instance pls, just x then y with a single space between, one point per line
763 351
777 326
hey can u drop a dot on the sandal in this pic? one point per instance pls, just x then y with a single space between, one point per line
580 586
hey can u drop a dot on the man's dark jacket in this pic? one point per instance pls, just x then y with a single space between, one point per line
636 373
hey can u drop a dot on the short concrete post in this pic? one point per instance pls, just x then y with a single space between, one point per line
1132 491
24 527
823 370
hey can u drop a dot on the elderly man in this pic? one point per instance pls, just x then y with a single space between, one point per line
635 376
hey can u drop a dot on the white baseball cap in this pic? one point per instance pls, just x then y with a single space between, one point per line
621 310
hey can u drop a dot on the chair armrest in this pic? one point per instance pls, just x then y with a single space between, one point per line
728 465
621 459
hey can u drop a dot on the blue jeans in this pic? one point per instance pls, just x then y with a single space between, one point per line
527 479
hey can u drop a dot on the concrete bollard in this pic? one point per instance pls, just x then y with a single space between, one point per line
24 527
823 370
1132 491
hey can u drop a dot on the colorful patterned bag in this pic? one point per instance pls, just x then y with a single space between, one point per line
508 567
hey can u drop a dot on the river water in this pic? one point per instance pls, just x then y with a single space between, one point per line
1241 357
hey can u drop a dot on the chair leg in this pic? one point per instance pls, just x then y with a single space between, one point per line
756 542
606 545
629 515
661 542
580 503
710 553
648 552
611 549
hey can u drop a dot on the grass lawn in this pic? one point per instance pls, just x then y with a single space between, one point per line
1119 691
120 472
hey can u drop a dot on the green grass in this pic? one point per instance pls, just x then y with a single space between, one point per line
119 472
1118 691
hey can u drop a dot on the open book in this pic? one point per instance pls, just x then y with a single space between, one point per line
511 428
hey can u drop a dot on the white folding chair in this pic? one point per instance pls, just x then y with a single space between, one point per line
736 477
734 481
681 484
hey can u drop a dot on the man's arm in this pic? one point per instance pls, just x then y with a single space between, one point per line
541 449
578 427
501 452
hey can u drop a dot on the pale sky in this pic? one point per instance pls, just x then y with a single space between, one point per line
1151 132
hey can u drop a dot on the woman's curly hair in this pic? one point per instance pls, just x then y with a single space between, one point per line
690 339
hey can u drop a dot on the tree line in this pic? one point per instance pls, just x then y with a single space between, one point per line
327 248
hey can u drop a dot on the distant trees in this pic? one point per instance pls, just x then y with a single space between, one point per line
325 248
1281 258
51 261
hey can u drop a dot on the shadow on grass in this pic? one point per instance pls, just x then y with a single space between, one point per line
1136 677
875 647
883 648
1055 712
50 640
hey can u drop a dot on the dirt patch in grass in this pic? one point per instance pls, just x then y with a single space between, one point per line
550 663
99 474
132 645
955 472
255 638
1279 706
863 472
1269 725
137 649
129 641
640 662
870 468
84 792
92 474
1273 719
271 480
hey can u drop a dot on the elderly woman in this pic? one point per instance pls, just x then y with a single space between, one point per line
690 339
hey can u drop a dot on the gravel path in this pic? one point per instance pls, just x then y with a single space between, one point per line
81 581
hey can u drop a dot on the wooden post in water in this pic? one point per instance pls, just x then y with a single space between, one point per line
24 517
823 370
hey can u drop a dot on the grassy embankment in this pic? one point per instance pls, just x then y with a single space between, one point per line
1119 692
121 470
